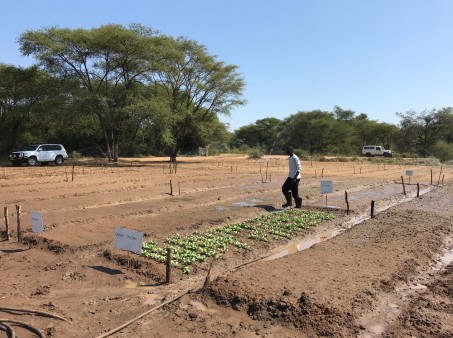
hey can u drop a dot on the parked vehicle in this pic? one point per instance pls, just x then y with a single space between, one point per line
370 151
39 153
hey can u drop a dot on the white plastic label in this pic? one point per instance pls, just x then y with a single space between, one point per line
37 225
129 240
326 187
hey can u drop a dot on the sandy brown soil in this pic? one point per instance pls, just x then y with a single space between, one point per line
377 278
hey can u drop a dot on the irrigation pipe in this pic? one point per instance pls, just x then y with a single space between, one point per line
8 329
41 313
22 324
143 315
174 299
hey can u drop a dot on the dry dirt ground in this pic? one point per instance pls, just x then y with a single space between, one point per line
389 276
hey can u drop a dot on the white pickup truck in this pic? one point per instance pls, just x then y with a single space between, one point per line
371 151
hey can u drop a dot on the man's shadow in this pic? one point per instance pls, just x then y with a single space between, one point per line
269 208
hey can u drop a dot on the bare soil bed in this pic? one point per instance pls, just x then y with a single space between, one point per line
364 277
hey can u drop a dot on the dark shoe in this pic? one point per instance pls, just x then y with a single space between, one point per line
298 202
288 200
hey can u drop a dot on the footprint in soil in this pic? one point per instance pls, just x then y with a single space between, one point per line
41 291
73 276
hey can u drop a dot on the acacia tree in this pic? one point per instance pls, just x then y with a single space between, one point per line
262 133
309 130
197 88
109 63
26 93
421 130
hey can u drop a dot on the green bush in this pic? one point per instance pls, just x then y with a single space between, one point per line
443 151
74 154
255 154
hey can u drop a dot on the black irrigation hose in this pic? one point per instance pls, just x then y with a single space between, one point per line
40 313
22 324
119 328
8 329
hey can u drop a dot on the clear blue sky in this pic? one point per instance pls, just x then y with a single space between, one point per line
376 57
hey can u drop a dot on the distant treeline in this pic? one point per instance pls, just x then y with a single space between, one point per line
343 132
130 91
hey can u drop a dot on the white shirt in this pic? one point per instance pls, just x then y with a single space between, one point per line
294 166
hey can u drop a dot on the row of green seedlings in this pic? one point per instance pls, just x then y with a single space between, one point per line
199 246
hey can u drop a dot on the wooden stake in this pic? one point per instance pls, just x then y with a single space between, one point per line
440 173
270 177
267 168
4 171
443 179
360 170
171 188
179 188
5 209
404 187
347 202
19 234
372 209
73 173
168 267
418 189
322 173
431 177
66 173
208 277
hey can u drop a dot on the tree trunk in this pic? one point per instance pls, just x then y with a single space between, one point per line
109 151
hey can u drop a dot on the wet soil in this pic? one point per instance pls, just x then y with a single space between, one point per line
357 279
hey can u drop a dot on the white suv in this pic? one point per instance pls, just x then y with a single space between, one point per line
39 153
370 151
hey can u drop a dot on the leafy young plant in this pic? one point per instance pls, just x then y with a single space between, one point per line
199 246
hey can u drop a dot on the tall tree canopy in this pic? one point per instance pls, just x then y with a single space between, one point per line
197 88
131 77
108 62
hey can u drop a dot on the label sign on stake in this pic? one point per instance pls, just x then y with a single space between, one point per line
129 240
326 187
409 173
37 225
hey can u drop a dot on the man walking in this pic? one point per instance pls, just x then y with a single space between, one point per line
291 186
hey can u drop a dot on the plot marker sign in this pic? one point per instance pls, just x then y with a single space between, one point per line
326 188
130 240
37 225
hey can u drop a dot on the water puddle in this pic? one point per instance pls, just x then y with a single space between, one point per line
307 243
221 208
250 203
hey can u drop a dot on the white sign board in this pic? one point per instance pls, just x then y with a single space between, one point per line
37 225
129 240
409 172
326 187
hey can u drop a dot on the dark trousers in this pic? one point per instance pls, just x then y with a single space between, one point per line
293 186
